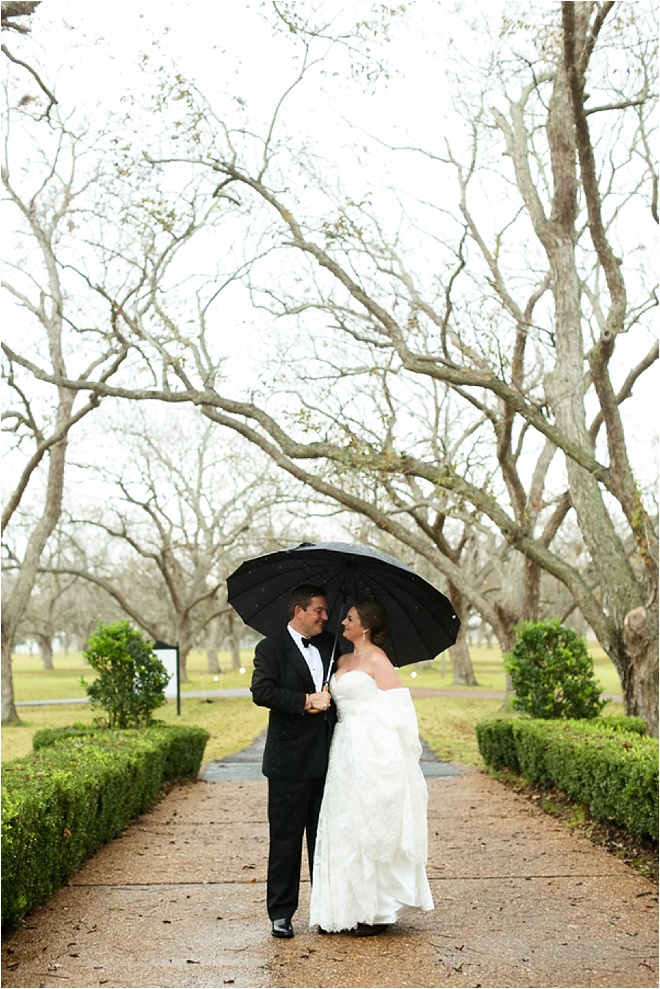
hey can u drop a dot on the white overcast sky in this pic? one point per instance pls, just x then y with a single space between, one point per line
229 43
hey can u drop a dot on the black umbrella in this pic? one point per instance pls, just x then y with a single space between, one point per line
421 620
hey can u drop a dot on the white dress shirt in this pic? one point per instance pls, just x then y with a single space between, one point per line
311 655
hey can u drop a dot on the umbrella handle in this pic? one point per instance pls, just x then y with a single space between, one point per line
314 710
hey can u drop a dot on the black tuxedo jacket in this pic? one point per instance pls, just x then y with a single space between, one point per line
297 743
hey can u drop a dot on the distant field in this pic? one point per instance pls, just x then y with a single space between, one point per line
446 723
32 682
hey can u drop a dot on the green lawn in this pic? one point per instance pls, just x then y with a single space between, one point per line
233 723
32 682
446 723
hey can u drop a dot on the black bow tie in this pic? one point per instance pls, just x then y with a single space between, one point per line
305 641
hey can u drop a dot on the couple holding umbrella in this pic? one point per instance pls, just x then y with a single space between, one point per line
342 749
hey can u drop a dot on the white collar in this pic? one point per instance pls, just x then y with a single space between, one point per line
298 638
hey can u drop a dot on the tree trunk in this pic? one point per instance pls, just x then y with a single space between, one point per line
505 632
640 684
461 662
14 609
235 650
531 591
185 645
234 640
212 664
213 646
9 713
45 643
564 388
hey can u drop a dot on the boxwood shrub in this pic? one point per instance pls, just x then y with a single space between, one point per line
63 802
497 745
607 764
48 736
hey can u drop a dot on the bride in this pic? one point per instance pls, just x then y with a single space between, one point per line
370 858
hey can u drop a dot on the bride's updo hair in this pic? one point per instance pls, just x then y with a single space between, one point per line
373 616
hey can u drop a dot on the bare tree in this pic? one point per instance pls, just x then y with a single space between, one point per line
50 610
16 16
40 424
182 510
530 379
71 276
499 325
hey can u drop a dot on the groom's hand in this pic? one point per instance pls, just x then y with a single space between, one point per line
319 701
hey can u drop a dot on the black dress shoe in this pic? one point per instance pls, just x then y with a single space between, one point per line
282 928
368 930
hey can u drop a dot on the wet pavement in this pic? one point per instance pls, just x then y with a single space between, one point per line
246 765
179 900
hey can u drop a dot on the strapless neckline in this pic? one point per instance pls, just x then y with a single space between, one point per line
342 675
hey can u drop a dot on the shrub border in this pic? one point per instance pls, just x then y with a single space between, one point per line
61 803
604 763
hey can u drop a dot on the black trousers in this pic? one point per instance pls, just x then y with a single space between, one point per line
293 810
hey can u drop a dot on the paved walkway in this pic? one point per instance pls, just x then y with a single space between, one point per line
226 692
245 692
178 900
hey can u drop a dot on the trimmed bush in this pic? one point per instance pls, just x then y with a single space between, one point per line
49 736
610 768
63 802
552 673
497 744
131 679
619 722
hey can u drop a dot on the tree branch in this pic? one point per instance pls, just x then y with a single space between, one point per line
42 85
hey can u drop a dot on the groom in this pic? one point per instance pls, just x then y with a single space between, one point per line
289 672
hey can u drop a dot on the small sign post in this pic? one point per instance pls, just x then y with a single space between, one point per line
169 657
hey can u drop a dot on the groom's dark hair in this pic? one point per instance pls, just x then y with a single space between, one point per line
302 595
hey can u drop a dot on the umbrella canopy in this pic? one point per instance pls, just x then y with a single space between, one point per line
421 620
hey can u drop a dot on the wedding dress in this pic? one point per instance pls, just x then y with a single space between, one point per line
371 845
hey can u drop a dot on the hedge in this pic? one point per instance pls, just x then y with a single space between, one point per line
64 801
46 737
607 764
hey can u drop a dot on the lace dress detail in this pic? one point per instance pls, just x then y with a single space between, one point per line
371 845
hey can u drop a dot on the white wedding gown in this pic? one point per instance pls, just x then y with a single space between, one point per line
371 846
